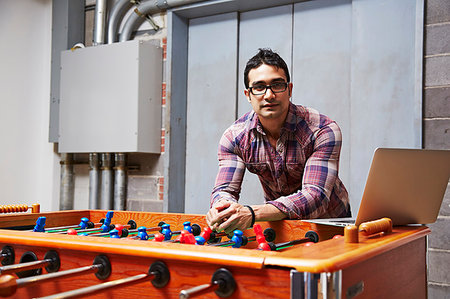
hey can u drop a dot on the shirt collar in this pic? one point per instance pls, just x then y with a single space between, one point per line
255 124
292 118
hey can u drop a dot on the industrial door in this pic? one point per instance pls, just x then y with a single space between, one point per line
359 62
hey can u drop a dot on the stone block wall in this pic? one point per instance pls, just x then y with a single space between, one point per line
436 133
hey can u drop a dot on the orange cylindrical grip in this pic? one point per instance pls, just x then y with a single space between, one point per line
36 208
351 234
8 285
376 226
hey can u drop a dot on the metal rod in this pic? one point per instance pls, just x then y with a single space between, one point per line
24 266
100 287
51 229
94 229
199 290
64 230
22 282
230 242
60 229
107 233
156 228
293 242
136 237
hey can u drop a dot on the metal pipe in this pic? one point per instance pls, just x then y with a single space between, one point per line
116 15
148 8
120 181
99 22
83 292
105 201
24 266
27 281
107 188
94 176
67 184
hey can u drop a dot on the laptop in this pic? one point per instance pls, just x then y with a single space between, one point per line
405 185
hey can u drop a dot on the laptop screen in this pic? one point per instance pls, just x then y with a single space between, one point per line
406 185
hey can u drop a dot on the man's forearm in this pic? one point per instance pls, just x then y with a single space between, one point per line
268 212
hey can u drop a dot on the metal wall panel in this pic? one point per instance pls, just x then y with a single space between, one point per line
358 62
111 107
67 30
211 101
386 85
175 122
321 65
264 28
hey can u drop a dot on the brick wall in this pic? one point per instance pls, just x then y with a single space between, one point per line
436 134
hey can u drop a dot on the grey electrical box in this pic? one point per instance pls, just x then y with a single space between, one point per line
111 98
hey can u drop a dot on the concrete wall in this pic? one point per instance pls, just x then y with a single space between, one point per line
436 122
29 168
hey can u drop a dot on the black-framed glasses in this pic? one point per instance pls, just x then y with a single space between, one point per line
260 89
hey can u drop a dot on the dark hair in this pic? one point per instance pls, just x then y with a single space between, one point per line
265 56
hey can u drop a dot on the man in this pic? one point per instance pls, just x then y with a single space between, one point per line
294 150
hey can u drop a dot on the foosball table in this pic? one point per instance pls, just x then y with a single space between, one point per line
306 260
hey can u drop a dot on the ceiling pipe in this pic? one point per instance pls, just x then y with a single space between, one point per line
101 197
148 8
99 22
120 170
137 17
115 17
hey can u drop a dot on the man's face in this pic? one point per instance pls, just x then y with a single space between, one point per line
269 105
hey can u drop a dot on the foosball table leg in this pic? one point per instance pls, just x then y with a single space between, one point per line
331 284
312 281
309 285
297 285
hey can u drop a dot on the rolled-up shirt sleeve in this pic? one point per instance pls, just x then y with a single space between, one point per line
231 171
319 177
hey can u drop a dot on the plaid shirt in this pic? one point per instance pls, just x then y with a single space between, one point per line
299 177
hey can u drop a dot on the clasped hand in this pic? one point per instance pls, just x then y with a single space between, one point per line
228 216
